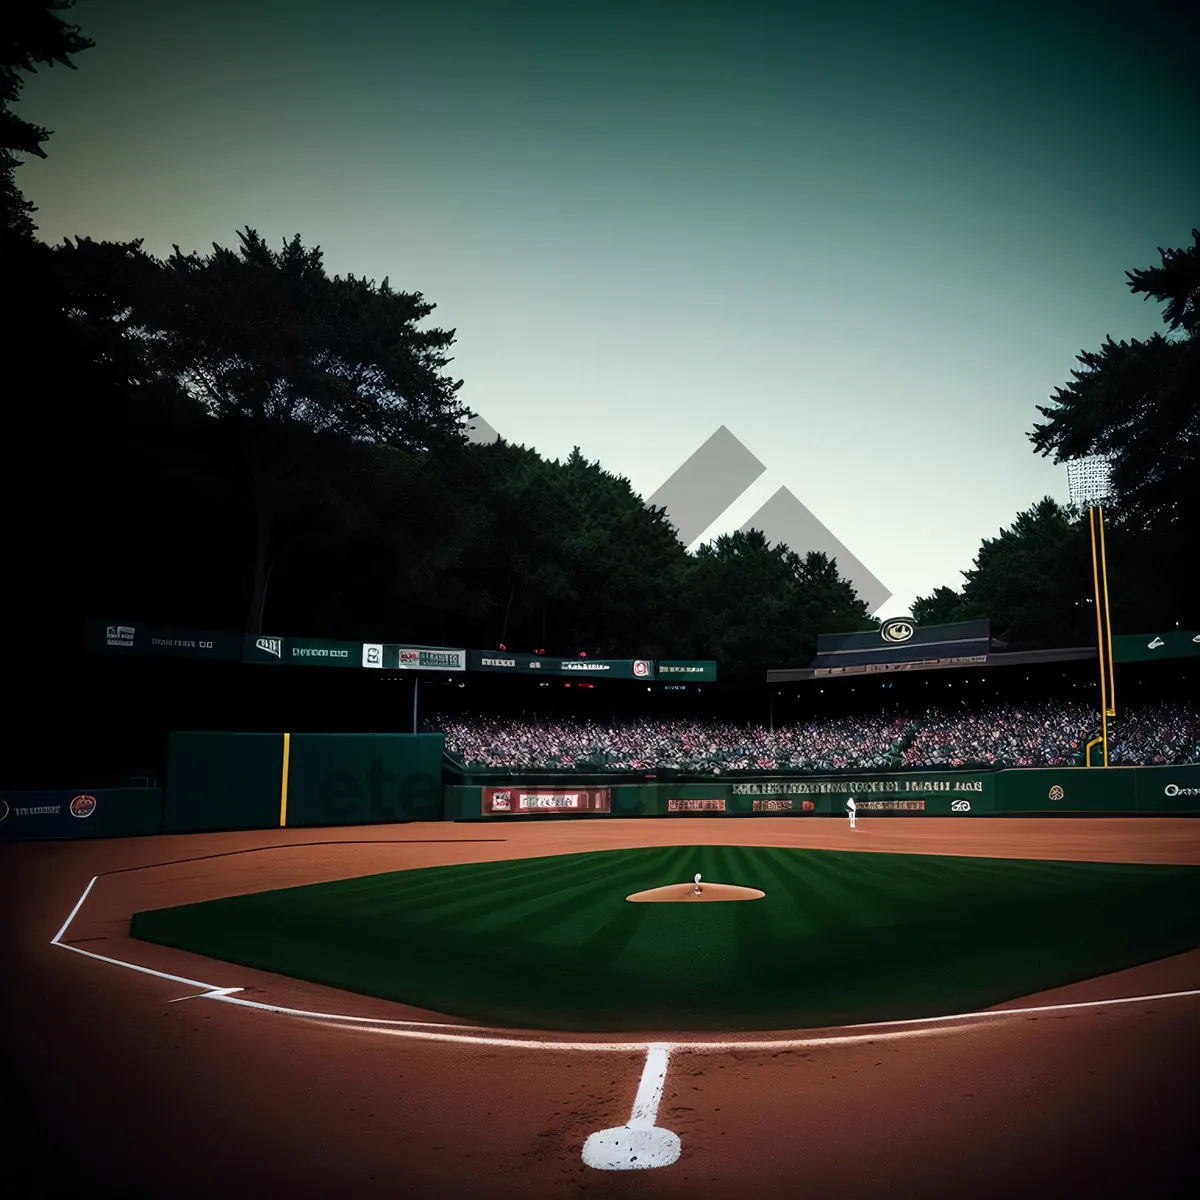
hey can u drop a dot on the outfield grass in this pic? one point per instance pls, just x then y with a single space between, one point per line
551 943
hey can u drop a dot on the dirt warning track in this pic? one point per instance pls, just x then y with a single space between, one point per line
121 1082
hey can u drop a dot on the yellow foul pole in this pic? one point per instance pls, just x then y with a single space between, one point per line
1103 630
283 779
1111 709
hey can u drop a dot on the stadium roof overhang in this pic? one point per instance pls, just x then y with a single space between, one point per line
1017 658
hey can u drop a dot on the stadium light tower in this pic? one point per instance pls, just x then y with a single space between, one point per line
1089 480
1108 689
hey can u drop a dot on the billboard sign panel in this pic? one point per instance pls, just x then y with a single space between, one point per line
263 650
316 652
512 663
513 801
687 670
688 804
134 638
424 658
1141 647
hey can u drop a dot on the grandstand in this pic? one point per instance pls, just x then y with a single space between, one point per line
1038 734
902 697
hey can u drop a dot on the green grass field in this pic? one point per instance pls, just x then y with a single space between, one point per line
551 943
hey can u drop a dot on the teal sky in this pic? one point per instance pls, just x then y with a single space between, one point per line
869 239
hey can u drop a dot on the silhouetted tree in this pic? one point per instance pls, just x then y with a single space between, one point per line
942 607
1031 580
297 368
32 36
762 606
1138 404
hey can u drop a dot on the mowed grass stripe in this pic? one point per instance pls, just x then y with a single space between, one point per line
430 887
815 904
604 907
412 897
621 921
607 905
761 926
609 880
451 895
830 884
601 879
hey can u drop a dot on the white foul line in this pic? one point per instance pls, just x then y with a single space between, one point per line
423 1030
639 1144
78 905
650 1089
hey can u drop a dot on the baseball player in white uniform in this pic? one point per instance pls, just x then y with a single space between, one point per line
851 809
697 883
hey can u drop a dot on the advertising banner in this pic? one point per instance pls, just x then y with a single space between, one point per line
965 784
1141 647
916 664
687 670
789 805
509 662
262 649
424 658
48 814
1168 789
538 664
688 804
954 794
316 652
516 800
136 639
80 813
608 668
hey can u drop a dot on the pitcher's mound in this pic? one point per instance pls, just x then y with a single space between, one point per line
683 892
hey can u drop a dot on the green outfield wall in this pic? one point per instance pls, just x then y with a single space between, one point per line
80 813
1167 789
1115 791
1092 790
223 781
1108 791
364 779
259 780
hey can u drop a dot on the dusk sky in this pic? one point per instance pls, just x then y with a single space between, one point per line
869 238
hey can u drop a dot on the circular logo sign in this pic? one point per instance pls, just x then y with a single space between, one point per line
899 630
3 809
83 806
1056 793
641 668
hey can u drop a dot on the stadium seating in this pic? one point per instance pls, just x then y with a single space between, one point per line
1044 734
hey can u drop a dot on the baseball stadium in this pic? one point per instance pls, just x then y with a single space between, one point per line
597 601
928 906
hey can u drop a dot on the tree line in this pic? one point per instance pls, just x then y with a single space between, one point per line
1135 403
242 440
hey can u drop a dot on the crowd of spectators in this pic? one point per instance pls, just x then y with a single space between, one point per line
1046 734
1155 735
1043 734
690 746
